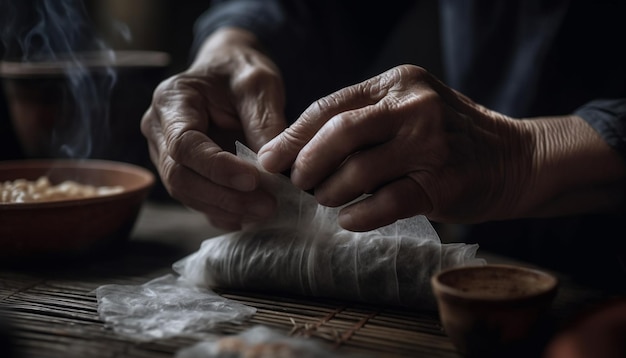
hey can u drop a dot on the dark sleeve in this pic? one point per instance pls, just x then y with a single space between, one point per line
319 45
608 118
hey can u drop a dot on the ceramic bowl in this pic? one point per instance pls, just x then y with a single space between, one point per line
74 227
489 309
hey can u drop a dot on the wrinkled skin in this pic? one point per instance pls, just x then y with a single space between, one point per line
408 140
403 138
232 91
418 147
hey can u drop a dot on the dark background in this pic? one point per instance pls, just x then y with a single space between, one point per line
167 25
160 25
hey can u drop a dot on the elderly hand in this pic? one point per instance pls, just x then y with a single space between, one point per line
416 146
231 88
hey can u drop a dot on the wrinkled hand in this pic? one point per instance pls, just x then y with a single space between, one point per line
231 88
414 145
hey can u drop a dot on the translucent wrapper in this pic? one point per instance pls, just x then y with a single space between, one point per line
164 307
303 251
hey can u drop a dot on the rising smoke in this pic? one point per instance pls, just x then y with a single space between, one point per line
61 32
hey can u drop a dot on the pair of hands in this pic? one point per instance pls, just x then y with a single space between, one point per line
415 145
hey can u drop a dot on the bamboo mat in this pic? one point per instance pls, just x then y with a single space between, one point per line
52 310
53 313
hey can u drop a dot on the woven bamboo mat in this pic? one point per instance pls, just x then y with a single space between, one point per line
52 310
53 313
58 318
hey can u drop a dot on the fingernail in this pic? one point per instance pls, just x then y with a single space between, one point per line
243 182
344 219
298 180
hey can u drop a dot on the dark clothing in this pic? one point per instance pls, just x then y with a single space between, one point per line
522 58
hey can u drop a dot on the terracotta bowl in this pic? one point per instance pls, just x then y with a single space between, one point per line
71 227
486 310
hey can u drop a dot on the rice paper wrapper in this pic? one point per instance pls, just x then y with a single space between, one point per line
164 307
304 251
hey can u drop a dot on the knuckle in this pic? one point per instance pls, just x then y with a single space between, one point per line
393 81
417 101
346 121
180 88
291 140
171 175
164 87
253 78
326 103
348 125
294 136
410 71
177 144
185 145
161 98
147 122
430 102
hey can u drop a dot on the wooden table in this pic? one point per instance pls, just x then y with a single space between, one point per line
52 311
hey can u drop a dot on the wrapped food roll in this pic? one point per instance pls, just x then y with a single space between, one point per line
360 267
304 251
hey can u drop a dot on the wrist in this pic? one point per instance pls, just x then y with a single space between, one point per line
225 38
573 170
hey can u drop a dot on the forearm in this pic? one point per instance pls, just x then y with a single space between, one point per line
225 37
573 169
267 19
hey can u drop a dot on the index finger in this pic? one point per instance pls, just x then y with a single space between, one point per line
280 153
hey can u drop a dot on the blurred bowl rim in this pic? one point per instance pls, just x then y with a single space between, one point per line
443 290
97 164
123 59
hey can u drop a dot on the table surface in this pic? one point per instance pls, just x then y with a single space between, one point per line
52 311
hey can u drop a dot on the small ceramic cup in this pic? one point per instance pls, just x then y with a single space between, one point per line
488 309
